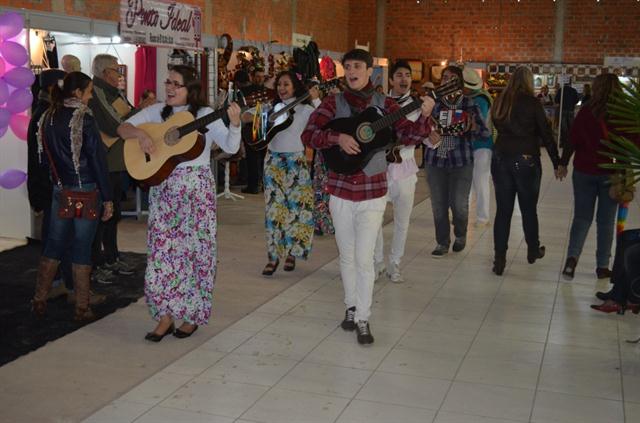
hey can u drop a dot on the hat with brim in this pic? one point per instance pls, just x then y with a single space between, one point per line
429 85
472 79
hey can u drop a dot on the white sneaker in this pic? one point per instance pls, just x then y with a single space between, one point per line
394 273
379 269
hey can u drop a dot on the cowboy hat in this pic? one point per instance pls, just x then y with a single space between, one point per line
472 79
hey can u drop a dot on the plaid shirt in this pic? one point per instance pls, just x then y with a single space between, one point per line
461 153
357 187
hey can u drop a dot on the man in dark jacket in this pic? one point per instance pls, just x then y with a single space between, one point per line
569 99
110 108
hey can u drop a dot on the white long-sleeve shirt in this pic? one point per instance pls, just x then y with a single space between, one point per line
288 140
227 138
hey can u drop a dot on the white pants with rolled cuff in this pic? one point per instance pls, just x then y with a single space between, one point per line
401 194
357 224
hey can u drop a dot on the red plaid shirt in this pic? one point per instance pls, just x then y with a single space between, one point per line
357 187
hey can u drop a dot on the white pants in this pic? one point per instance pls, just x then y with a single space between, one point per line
481 184
357 225
401 194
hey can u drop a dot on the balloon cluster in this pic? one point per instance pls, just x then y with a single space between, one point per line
16 79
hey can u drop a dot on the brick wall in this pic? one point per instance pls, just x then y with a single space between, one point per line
503 31
594 30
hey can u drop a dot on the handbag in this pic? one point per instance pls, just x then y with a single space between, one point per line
73 204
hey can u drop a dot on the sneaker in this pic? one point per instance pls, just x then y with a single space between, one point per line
379 269
103 275
364 333
394 273
119 267
459 244
349 319
440 251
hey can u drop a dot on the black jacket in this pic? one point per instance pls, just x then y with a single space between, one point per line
38 182
524 131
93 164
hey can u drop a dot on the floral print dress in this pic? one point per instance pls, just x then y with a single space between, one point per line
181 239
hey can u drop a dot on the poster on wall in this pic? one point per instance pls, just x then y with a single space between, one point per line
161 23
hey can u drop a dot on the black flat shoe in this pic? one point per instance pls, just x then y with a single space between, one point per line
182 334
534 255
154 337
604 296
499 263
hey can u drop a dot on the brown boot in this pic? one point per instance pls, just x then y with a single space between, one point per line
46 272
81 279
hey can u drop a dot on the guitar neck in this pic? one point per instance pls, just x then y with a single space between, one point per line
392 118
201 122
288 107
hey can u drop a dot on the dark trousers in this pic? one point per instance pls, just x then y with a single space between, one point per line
107 233
516 176
626 268
449 189
64 269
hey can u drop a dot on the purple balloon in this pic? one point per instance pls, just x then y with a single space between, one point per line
2 66
5 116
11 24
14 53
4 91
19 78
19 100
12 178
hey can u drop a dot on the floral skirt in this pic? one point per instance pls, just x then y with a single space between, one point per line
181 243
289 205
321 215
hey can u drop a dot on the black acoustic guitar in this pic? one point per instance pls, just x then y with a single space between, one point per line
281 117
373 132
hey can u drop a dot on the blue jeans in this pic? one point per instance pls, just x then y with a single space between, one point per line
586 190
450 188
82 231
516 176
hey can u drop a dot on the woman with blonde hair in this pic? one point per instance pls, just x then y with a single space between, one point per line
516 169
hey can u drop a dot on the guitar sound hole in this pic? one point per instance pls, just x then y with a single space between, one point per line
172 136
365 133
147 157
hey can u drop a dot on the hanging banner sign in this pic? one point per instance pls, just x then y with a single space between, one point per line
161 23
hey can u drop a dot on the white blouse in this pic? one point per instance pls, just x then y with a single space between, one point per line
288 140
227 138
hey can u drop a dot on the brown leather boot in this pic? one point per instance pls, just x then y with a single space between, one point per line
47 268
81 280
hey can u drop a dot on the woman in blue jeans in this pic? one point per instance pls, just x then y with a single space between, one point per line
591 182
516 170
68 139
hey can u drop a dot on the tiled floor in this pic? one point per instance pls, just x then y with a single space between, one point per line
454 344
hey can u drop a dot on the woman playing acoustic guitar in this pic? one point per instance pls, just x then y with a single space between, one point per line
181 262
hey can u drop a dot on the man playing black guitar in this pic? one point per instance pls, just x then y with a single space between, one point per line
358 200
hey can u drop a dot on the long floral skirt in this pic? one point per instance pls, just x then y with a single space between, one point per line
321 215
181 243
289 205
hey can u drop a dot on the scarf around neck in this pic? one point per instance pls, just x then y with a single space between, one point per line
360 95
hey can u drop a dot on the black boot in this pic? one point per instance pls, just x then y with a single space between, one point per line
499 263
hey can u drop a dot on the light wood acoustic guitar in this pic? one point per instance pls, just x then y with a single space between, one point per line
176 140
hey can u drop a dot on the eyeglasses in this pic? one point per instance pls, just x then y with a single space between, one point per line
112 69
175 85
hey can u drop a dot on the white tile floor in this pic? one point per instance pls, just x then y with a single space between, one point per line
454 344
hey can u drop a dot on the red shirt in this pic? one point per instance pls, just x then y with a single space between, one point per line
357 187
585 138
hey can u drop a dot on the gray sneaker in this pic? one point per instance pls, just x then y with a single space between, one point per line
120 267
103 276
440 251
393 272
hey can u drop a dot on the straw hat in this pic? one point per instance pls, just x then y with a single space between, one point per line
472 80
